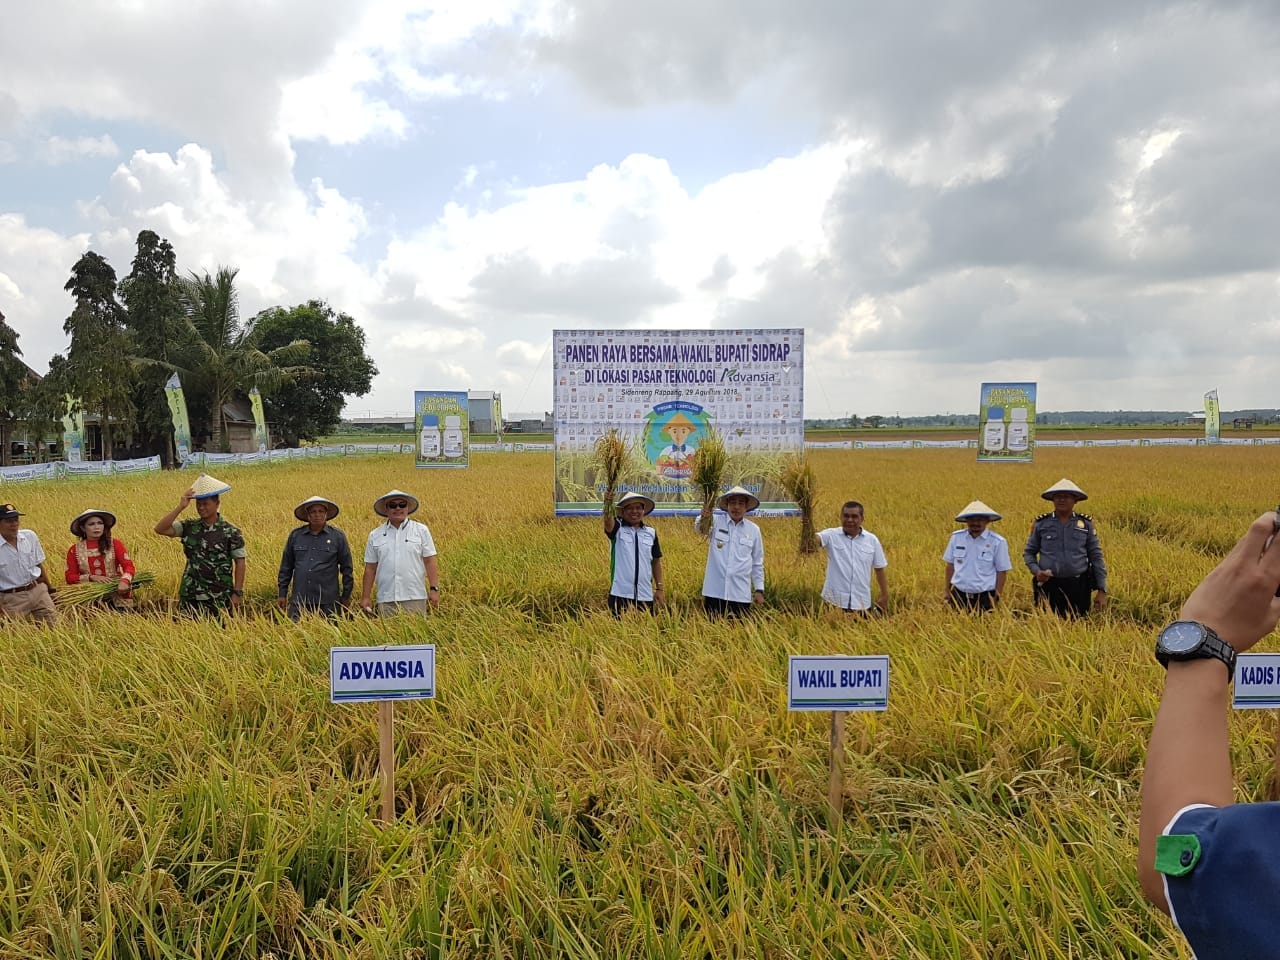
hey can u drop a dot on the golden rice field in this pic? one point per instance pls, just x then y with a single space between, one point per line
586 788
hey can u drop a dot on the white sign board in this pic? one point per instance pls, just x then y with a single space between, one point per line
838 683
1257 682
362 674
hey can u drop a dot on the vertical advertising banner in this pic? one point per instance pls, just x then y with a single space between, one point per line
664 390
72 433
1006 423
259 421
442 419
1212 417
178 411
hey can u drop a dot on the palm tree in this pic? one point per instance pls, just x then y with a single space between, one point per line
222 354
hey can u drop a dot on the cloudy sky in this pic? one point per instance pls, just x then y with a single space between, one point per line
1082 194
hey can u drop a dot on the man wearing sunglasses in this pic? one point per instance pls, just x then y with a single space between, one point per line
398 556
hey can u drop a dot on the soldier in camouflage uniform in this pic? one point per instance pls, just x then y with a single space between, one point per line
214 578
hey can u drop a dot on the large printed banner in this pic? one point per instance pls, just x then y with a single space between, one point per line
1007 422
664 390
1212 417
442 419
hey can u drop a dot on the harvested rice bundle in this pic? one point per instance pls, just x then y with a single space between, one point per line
798 480
84 593
710 464
614 458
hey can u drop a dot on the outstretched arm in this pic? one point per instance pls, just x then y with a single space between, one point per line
1187 758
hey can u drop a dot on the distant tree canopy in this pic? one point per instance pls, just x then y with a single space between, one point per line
126 338
310 406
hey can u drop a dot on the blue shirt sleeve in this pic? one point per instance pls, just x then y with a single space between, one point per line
1223 879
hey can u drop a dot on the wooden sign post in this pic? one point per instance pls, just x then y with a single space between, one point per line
384 675
841 685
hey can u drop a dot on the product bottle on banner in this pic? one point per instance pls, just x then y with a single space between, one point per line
993 437
1018 432
453 437
429 441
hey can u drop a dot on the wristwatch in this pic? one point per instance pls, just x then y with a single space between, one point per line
1189 640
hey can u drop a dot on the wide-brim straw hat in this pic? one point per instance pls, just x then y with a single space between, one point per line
1065 486
977 508
636 498
379 505
207 486
300 511
752 500
77 525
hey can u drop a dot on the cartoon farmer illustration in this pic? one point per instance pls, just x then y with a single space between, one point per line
674 460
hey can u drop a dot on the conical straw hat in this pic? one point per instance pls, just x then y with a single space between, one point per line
752 500
977 508
379 505
1065 486
632 498
300 511
207 486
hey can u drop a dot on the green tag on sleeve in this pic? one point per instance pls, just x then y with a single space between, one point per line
1177 854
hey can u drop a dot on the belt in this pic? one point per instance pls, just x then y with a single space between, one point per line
966 593
29 586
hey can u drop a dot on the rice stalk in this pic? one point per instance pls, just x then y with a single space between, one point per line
612 459
85 592
801 483
710 464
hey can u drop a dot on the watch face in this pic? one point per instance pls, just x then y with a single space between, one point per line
1182 636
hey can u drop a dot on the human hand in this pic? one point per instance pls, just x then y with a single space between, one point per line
282 602
1100 600
1043 576
433 598
123 587
1237 599
187 498
758 597
237 600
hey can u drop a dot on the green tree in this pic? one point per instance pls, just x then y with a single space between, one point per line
44 403
311 406
154 322
222 355
13 377
98 365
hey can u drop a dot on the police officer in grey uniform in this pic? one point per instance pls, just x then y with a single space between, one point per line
1064 555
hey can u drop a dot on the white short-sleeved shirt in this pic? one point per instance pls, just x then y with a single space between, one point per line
850 561
21 564
399 552
977 559
735 559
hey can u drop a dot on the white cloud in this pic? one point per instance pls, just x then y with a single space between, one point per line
63 150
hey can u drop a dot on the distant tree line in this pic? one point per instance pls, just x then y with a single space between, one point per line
128 336
1070 418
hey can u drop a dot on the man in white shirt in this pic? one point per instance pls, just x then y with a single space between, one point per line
24 588
397 556
852 554
977 561
735 556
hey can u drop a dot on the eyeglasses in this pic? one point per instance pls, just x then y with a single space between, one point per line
396 504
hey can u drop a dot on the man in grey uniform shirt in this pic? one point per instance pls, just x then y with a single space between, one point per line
1064 555
314 556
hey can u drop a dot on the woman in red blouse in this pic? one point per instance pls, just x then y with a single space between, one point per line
100 558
